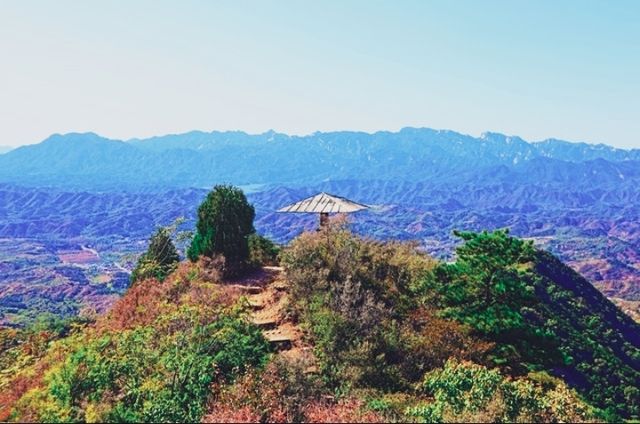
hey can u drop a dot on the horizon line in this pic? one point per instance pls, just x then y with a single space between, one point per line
313 133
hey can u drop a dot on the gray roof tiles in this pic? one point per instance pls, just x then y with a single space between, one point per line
324 203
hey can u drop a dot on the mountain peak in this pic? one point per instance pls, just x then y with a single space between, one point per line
75 137
501 138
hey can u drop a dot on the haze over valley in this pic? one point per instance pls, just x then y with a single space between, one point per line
77 209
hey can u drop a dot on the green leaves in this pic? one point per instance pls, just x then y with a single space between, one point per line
467 392
262 251
225 221
153 373
160 259
489 288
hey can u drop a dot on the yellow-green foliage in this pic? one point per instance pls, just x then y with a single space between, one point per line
396 337
357 299
160 259
467 392
325 260
262 251
153 358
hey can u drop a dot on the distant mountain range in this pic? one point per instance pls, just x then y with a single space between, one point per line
198 159
578 200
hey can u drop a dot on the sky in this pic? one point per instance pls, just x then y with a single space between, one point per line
124 69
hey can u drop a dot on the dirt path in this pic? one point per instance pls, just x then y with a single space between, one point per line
267 293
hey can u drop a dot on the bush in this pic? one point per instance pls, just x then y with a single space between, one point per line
467 392
428 341
322 261
278 393
262 251
282 392
225 221
350 293
149 374
160 259
153 357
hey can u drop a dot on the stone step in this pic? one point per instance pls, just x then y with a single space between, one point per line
280 285
255 304
311 370
274 268
249 289
276 336
266 323
281 345
281 341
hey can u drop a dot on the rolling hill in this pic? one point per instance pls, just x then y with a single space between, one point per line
580 201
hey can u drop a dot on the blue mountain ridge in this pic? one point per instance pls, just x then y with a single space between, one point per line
578 200
199 159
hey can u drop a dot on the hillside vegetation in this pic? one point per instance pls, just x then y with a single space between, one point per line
504 333
76 191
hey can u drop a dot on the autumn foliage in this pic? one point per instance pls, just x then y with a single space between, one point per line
395 336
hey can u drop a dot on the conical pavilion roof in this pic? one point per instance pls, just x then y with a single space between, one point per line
324 203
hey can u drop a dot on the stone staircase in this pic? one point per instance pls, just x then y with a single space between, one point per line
268 300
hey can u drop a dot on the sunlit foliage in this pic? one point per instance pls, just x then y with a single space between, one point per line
160 259
153 358
504 333
225 221
467 392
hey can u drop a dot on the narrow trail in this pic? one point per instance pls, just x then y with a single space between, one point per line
267 294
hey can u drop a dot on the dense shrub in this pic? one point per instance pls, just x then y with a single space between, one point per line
143 375
279 393
353 295
262 251
396 337
348 410
467 392
225 221
325 260
21 356
160 259
152 358
541 315
282 392
428 341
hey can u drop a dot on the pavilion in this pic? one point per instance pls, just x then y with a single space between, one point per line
324 204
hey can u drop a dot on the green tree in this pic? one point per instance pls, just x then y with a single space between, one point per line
485 288
160 259
491 288
225 221
262 251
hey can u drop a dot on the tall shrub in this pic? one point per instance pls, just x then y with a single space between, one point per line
160 259
225 221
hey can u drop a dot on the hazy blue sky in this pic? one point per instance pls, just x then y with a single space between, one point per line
538 69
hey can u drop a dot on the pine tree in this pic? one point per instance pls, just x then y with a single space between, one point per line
160 259
485 287
225 221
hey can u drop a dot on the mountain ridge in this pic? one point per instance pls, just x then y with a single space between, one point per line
580 201
199 159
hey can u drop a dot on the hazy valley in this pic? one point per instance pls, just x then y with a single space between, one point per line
72 195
